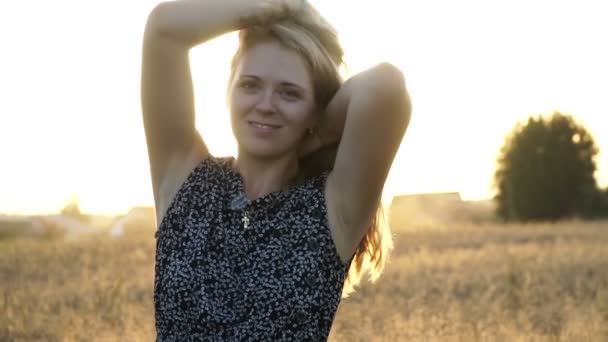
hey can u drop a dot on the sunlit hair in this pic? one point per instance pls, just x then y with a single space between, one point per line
313 38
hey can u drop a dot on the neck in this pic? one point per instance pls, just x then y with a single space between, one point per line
263 176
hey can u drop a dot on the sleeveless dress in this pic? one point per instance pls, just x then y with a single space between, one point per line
265 271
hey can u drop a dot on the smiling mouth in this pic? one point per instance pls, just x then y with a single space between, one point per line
262 125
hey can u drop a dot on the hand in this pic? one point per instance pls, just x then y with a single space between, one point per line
268 11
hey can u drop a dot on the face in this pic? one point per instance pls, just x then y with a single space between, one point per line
271 100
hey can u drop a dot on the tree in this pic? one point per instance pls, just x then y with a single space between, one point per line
596 204
545 170
72 209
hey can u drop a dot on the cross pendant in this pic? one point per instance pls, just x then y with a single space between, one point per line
245 220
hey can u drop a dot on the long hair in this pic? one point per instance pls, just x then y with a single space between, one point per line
311 36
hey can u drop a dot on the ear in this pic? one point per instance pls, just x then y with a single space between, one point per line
311 142
315 120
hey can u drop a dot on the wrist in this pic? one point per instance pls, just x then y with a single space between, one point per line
268 11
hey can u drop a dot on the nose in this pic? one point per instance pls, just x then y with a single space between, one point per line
265 103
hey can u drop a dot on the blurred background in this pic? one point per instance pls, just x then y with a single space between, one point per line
70 122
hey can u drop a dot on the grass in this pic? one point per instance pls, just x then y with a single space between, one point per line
443 283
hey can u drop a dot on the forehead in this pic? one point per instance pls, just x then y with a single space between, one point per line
271 61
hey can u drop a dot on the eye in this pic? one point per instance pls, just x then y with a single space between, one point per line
248 85
291 94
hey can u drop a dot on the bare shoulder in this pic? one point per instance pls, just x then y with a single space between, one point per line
179 167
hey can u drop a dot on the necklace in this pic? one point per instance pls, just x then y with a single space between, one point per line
240 202
245 220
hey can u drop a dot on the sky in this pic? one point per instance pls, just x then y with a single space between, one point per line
70 114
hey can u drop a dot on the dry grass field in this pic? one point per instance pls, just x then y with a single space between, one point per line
443 283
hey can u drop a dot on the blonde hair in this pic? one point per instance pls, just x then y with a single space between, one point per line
313 38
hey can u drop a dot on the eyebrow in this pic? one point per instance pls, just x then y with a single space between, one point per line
283 83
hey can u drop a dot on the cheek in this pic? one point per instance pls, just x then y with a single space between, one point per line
238 105
302 114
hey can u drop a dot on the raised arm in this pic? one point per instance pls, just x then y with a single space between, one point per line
167 96
370 112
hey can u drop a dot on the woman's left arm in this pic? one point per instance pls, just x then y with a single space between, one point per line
370 112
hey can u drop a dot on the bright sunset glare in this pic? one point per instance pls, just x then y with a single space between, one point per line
70 117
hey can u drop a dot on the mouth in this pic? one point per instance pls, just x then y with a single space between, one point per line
266 126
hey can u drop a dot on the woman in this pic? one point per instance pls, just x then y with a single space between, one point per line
260 247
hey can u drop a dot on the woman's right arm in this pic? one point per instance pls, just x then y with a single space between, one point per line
173 28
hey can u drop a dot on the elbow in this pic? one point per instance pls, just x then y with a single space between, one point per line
155 19
388 72
387 84
158 23
389 80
